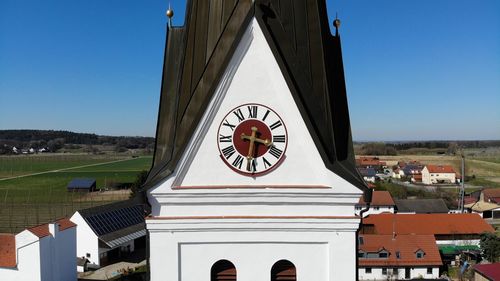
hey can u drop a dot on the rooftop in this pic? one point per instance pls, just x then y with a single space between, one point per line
421 206
435 224
43 229
81 183
402 250
114 218
7 250
492 195
440 169
379 198
491 271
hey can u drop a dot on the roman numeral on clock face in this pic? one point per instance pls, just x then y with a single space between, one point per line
276 152
223 138
239 114
252 111
267 164
228 152
275 125
238 162
227 124
279 138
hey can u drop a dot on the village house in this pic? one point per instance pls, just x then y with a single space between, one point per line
459 229
382 202
395 257
368 174
452 232
109 232
433 174
371 162
397 172
42 253
413 172
487 205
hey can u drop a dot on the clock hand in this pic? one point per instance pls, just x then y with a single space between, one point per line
253 138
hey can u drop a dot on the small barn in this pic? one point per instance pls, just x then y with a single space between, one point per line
82 185
110 233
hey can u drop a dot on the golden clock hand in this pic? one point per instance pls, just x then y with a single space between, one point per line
252 139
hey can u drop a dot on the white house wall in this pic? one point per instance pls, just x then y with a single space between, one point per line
415 272
28 259
86 240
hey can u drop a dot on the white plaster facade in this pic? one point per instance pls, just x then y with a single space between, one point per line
49 258
205 212
87 242
433 178
398 273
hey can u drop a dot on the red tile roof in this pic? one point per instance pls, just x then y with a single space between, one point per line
406 245
65 223
491 271
436 224
379 198
440 169
492 195
7 250
43 229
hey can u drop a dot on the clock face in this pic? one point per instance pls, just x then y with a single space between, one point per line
252 139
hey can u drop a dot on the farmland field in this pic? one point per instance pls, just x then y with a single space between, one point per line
33 188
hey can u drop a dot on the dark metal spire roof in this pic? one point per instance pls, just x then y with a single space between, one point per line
308 54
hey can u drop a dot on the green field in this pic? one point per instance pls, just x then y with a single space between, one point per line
39 192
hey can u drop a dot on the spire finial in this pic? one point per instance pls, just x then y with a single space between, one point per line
170 14
336 23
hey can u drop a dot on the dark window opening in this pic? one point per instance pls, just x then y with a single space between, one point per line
368 270
283 270
383 255
223 270
429 270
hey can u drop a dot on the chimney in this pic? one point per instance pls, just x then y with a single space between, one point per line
53 228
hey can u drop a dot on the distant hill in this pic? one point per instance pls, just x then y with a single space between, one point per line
54 140
420 147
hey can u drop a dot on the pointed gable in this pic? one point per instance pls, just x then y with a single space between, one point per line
308 56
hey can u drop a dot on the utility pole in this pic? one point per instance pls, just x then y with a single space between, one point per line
462 189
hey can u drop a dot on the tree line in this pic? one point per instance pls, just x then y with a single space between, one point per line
441 147
55 140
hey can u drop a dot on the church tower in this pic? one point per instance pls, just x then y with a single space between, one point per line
253 175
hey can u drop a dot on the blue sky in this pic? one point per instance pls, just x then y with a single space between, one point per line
415 70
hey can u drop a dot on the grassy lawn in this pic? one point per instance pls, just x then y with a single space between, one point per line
31 200
11 166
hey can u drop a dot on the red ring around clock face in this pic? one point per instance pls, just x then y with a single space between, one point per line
252 139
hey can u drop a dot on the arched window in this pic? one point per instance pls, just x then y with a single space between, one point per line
283 270
223 270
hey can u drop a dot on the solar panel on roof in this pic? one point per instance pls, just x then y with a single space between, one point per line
114 220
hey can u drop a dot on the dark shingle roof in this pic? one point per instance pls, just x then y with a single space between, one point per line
421 206
81 183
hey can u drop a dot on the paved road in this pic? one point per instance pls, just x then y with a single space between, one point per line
66 169
110 271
